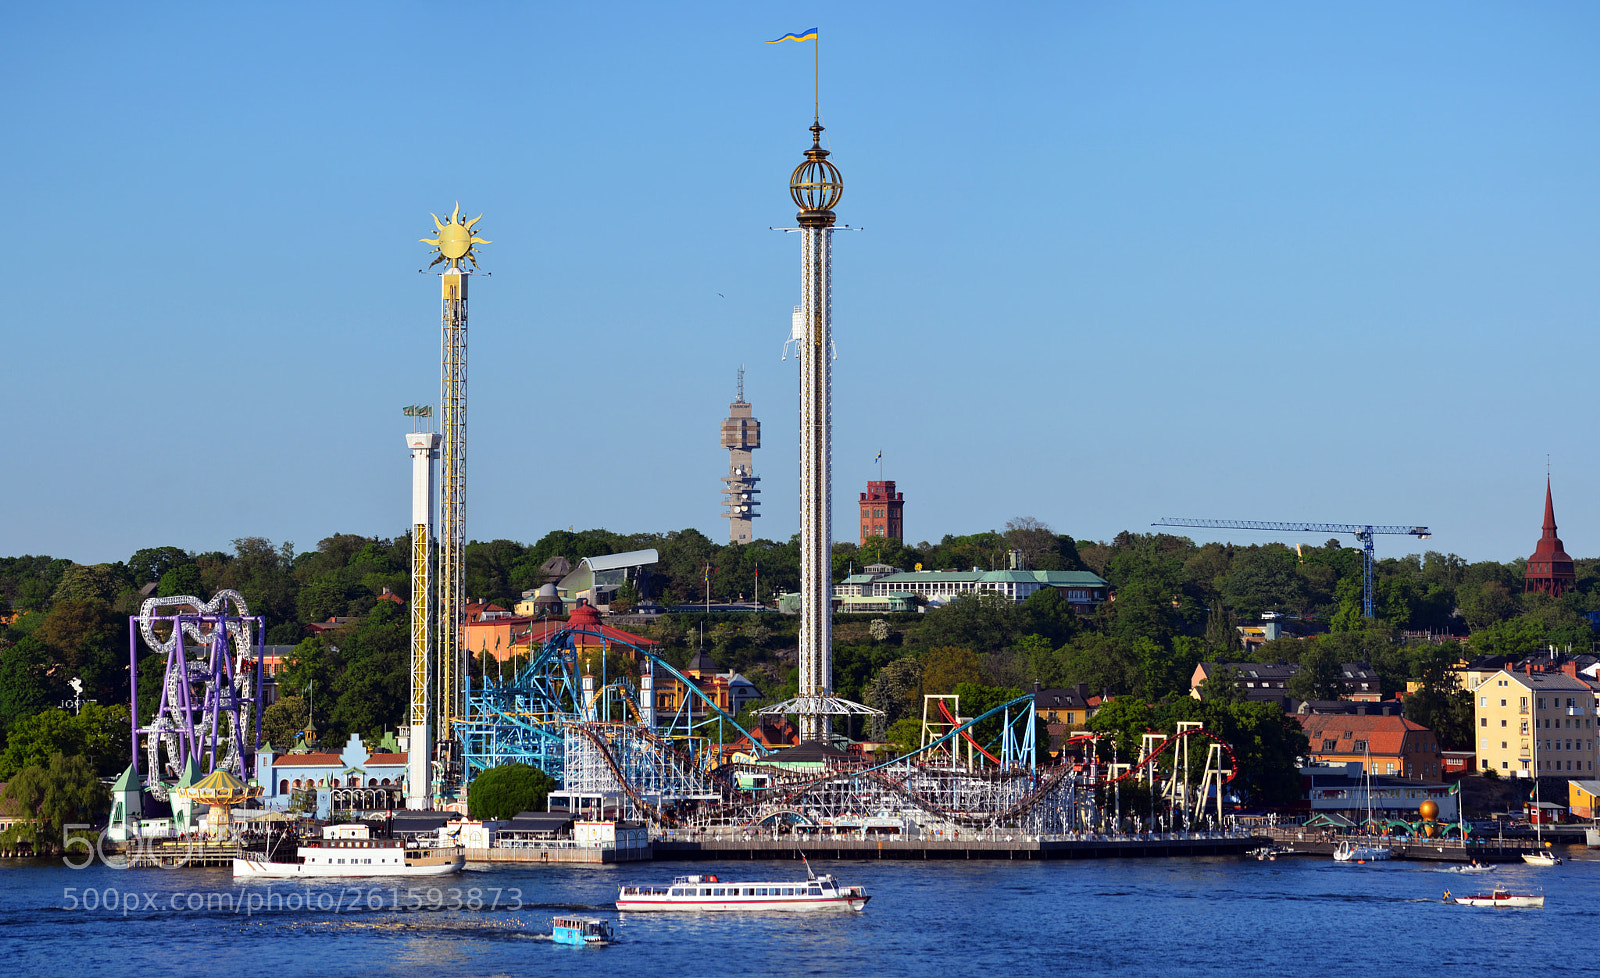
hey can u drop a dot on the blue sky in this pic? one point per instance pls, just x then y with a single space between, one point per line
1121 261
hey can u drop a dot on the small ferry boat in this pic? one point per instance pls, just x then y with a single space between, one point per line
1544 858
350 851
1351 853
710 893
582 931
1500 897
1267 853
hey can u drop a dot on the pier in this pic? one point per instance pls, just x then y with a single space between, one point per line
1020 848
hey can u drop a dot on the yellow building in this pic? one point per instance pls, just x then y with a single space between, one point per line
1540 722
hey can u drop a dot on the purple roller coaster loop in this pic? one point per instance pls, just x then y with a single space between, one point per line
221 694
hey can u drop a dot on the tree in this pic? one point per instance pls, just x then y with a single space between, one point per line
984 621
153 563
61 791
25 686
945 667
99 734
501 792
95 582
1035 541
1321 675
282 722
897 691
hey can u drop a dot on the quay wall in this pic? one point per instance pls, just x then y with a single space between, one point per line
1019 849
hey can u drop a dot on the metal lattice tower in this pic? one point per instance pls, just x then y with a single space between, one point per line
454 247
424 447
452 495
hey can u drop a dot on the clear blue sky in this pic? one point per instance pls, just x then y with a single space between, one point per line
1122 260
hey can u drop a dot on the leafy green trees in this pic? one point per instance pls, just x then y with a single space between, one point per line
99 735
1321 676
26 687
282 722
501 792
60 791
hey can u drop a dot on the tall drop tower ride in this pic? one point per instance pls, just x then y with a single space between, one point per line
454 246
424 447
741 434
816 187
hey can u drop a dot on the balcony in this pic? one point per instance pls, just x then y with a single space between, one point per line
1575 711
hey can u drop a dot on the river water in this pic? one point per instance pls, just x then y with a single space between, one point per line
1168 917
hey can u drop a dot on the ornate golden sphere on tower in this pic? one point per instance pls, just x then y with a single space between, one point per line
816 185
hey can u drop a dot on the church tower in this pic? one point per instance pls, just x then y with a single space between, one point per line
1549 569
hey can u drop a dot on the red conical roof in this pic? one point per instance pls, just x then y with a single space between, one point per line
1549 569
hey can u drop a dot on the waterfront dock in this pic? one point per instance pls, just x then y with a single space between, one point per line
1297 842
558 853
1019 848
150 854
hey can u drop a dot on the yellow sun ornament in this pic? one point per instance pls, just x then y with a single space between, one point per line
455 239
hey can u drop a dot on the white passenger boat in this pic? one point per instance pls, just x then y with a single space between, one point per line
711 893
1500 897
1542 858
1351 853
350 851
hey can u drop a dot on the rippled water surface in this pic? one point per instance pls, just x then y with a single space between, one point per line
1170 917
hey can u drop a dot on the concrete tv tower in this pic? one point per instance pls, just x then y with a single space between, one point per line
816 187
741 434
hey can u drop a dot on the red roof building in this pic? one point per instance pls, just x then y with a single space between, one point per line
1393 745
1549 569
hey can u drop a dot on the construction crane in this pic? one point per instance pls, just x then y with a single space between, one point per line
1362 533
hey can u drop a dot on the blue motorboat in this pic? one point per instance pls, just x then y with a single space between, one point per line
580 930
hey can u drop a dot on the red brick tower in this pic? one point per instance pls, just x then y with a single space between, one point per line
881 512
1549 569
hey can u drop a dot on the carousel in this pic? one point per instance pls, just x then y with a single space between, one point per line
222 791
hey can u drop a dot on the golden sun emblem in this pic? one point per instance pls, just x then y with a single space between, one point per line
455 239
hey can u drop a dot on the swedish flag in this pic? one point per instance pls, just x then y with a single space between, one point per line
810 35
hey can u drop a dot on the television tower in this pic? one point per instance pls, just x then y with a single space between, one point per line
453 246
741 433
424 447
816 187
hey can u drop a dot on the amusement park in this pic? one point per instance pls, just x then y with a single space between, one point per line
648 743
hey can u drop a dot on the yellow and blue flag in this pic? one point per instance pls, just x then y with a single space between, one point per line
879 458
810 35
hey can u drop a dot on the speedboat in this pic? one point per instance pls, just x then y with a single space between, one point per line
1267 853
711 893
1351 853
1500 897
1542 858
581 931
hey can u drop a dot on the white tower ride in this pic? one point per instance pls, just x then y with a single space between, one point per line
424 447
816 187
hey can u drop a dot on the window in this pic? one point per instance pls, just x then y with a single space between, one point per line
1359 745
1503 723
1483 701
1483 722
1329 746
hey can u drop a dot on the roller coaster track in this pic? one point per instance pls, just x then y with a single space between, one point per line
967 734
900 787
600 745
1134 770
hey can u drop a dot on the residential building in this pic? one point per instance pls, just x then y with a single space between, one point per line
1071 708
1389 745
1268 682
1549 569
1536 722
1583 798
882 512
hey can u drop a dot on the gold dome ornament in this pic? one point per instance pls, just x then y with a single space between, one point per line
455 240
816 185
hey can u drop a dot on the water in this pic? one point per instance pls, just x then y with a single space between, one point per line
1173 917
